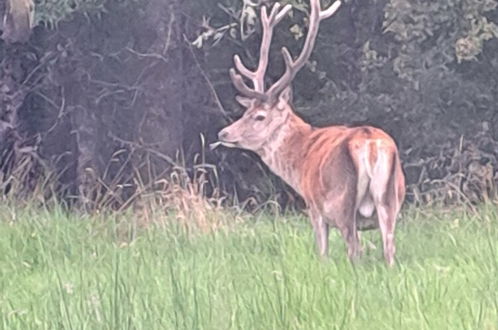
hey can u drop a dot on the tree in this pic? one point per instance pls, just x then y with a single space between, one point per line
105 94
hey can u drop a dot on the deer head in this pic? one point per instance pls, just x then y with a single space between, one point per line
268 109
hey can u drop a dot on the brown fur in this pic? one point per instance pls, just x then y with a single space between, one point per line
350 178
325 165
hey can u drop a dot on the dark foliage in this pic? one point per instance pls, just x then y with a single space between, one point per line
109 96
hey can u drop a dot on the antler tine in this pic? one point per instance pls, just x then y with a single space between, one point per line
257 77
292 67
268 20
324 14
242 87
268 23
242 68
277 15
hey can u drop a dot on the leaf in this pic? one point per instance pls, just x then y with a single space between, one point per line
198 42
297 31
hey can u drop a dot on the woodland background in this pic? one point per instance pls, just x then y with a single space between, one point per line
102 100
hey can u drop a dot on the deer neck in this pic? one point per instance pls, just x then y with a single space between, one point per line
283 152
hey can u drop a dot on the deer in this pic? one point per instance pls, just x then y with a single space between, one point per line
350 178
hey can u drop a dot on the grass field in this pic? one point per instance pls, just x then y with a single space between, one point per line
68 272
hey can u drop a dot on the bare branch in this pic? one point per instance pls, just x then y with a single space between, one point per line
206 78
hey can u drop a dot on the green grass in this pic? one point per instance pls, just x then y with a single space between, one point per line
59 271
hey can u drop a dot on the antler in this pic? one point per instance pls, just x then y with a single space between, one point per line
291 66
258 76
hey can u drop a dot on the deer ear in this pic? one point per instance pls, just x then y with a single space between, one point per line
244 101
285 98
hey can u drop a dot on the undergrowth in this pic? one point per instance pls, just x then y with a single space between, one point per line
62 270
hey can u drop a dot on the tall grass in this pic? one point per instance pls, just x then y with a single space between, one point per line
60 271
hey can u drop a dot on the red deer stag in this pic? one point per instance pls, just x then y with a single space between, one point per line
350 178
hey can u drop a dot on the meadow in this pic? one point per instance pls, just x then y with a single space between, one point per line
64 271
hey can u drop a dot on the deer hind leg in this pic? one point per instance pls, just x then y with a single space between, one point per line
387 223
385 201
321 229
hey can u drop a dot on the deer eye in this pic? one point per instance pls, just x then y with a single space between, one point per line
259 117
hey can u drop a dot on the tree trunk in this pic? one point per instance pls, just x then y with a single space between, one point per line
14 146
86 126
161 125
